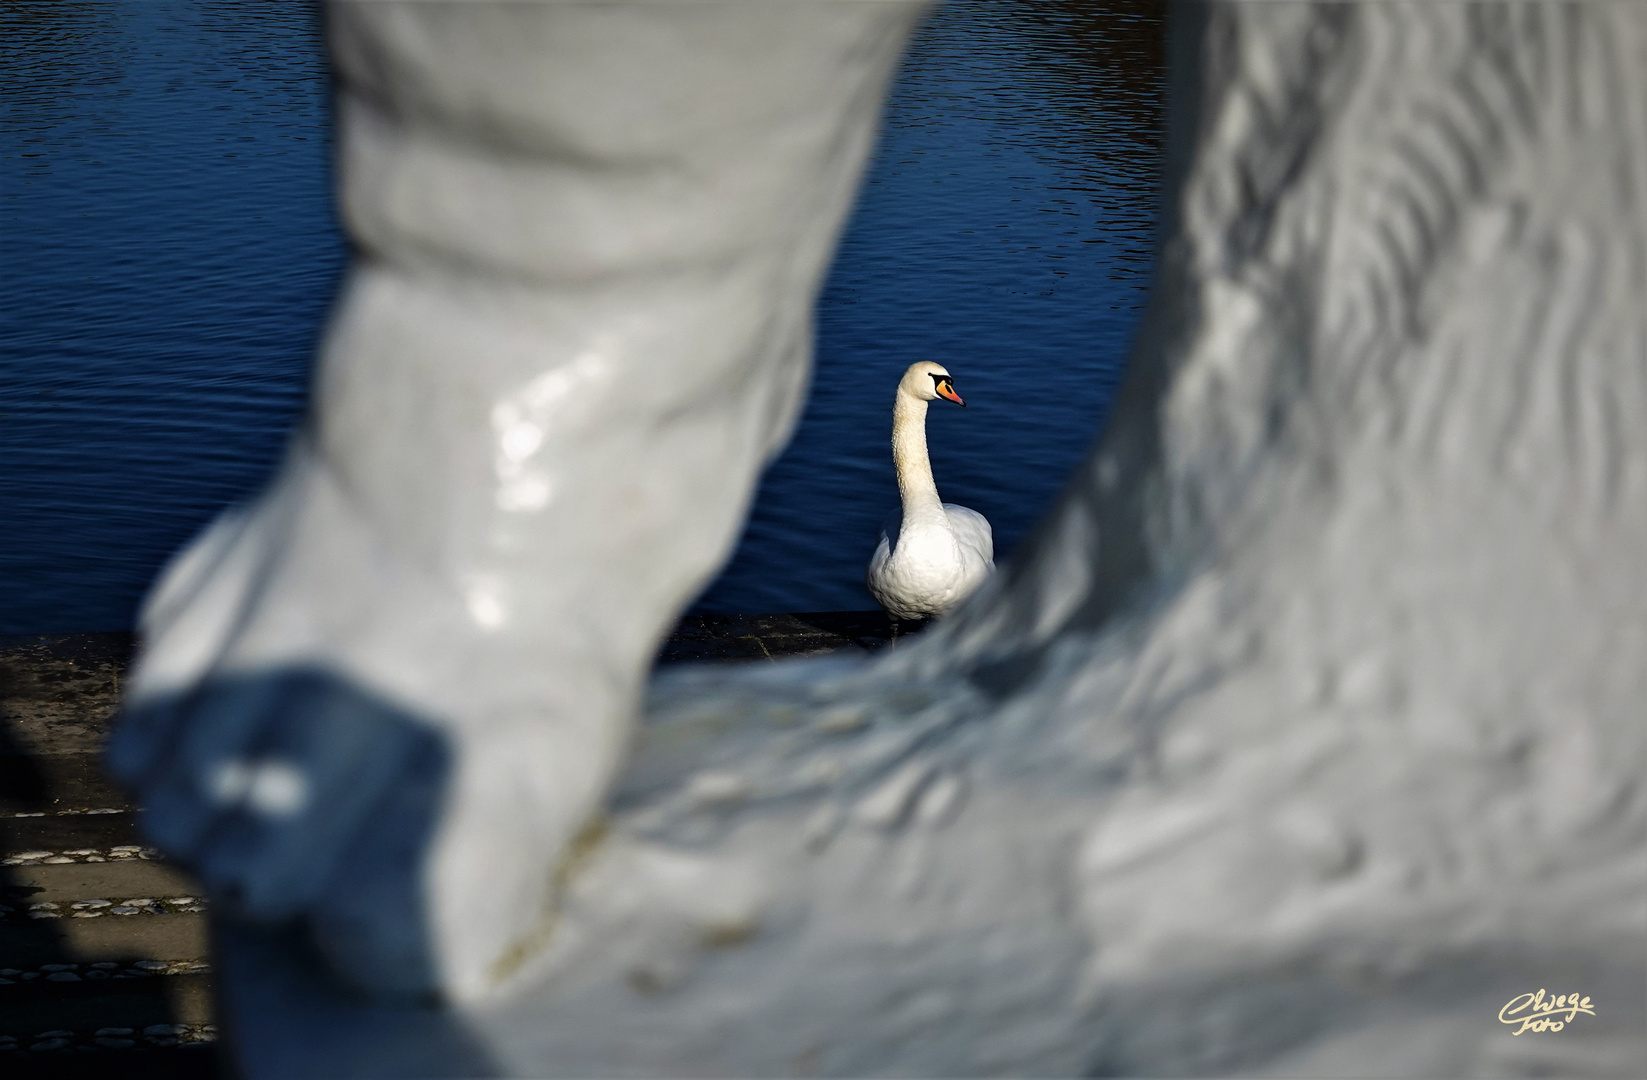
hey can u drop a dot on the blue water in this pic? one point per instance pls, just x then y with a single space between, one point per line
168 252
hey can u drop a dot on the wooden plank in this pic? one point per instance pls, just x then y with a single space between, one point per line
30 943
26 1009
117 880
67 831
54 783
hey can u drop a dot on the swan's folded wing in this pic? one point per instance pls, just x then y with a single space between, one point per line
972 532
883 551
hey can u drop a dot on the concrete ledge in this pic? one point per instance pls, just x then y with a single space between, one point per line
701 638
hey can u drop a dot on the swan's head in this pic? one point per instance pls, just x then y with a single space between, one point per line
928 381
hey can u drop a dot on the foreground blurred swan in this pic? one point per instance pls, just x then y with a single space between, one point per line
1301 737
932 553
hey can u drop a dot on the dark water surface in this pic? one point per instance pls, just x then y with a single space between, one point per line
168 252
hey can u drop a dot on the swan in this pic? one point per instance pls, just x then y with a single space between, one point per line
932 553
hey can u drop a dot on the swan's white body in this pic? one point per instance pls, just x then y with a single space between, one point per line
932 553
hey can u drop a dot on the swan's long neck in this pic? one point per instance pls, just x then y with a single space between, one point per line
909 457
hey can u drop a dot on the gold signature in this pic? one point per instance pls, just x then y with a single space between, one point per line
1545 1015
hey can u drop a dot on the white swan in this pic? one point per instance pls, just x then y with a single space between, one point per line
933 553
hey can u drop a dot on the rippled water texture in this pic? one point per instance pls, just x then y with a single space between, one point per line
168 250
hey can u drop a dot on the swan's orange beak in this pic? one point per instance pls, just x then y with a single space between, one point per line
946 390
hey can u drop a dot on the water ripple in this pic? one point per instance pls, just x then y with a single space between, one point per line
168 250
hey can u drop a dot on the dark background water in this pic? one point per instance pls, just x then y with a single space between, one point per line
168 252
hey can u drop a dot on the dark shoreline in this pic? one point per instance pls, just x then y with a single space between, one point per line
92 980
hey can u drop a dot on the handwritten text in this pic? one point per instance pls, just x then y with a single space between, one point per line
1545 1014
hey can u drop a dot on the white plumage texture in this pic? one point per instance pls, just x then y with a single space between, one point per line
931 553
918 575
